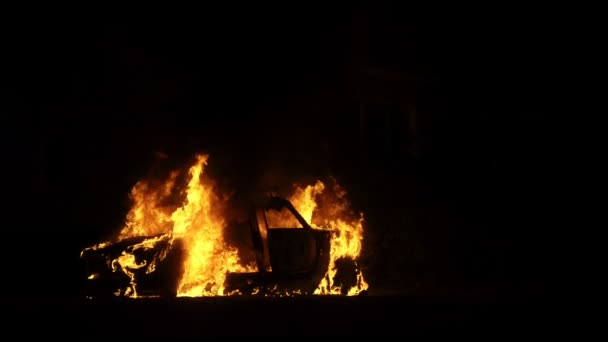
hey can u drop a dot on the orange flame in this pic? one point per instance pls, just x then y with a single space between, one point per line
347 231
147 216
208 257
199 225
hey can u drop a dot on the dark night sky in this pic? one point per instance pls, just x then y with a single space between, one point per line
257 89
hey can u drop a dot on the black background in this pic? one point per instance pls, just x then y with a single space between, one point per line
273 89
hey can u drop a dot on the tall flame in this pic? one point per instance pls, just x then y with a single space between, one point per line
198 224
208 257
347 231
147 216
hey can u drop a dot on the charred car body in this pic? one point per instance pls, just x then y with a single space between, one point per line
291 257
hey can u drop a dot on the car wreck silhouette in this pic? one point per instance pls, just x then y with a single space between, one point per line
289 259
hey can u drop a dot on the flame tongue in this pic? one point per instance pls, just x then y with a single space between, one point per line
147 216
208 257
304 199
199 225
347 233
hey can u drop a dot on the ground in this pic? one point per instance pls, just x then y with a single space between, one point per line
327 316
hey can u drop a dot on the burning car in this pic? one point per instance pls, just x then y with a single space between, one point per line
290 259
172 251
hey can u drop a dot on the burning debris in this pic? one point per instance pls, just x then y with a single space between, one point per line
308 243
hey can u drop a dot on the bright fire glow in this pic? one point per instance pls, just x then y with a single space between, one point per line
147 216
198 223
201 227
331 210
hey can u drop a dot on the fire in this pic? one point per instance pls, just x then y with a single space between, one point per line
148 217
208 257
196 226
347 232
303 199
